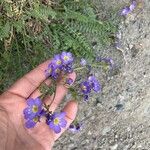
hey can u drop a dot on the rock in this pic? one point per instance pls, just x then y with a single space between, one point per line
114 147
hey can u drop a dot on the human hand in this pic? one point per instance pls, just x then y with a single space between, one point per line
13 134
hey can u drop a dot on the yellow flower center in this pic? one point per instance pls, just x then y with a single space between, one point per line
66 57
58 62
36 119
34 109
50 70
83 87
56 121
57 70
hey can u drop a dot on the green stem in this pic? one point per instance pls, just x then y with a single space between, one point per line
43 95
93 65
80 68
52 100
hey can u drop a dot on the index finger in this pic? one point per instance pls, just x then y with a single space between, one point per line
29 82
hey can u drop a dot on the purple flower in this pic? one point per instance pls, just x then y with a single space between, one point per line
34 108
78 126
72 128
117 45
66 58
85 87
43 112
57 62
133 5
83 62
75 127
58 121
48 118
86 97
89 68
30 123
56 71
109 61
69 81
94 83
55 74
52 71
125 11
60 63
49 70
67 69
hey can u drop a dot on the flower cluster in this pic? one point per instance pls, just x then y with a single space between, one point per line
32 112
60 64
88 85
36 110
58 69
128 9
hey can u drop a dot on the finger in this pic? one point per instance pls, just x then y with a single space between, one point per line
71 111
61 91
29 82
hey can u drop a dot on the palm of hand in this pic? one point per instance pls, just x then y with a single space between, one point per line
12 103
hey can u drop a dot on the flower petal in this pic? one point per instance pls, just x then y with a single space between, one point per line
125 11
62 114
30 101
83 62
133 5
66 58
63 123
94 83
51 125
55 115
57 62
57 129
38 102
85 87
30 124
27 113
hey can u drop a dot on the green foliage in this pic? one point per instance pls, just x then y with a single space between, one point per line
32 31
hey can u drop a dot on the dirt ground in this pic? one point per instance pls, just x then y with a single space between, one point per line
119 117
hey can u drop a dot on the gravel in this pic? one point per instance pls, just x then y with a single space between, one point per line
119 117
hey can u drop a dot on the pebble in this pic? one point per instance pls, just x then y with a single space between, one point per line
114 147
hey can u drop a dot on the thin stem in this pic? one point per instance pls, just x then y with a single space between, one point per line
85 67
80 68
47 108
43 95
52 100
53 83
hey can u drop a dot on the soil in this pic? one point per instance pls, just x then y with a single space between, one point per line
119 117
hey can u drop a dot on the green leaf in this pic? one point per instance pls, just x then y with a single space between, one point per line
5 30
42 13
